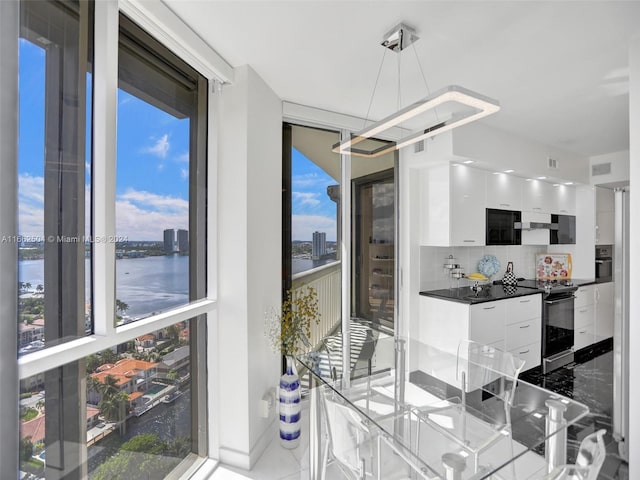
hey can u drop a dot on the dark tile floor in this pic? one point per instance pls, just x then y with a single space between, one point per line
590 381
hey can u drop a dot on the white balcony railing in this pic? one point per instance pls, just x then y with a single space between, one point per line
326 282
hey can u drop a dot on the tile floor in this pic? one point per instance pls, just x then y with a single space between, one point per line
589 381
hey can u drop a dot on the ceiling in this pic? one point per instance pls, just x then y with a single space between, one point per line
559 69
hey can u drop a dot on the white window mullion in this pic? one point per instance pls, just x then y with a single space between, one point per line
105 97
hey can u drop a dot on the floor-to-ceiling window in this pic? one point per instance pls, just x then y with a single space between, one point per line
111 246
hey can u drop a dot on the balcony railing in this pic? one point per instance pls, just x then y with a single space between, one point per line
326 282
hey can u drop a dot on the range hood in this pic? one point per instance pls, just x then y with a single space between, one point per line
535 226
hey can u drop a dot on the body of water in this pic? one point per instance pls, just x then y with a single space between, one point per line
148 284
299 265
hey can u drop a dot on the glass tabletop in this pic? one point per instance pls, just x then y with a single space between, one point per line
425 400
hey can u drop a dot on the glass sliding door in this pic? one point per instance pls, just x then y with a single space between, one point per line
374 248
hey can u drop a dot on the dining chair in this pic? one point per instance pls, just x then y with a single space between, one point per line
589 460
349 439
480 415
394 462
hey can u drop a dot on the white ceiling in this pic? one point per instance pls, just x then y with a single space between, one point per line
559 69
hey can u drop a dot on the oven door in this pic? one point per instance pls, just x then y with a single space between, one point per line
558 324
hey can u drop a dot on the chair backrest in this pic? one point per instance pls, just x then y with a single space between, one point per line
347 432
591 454
484 367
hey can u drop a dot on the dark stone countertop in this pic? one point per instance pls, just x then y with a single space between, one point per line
489 293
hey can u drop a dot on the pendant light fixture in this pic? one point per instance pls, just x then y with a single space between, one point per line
470 106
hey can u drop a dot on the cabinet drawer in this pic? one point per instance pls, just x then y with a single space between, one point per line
584 296
583 316
523 333
523 308
487 322
583 336
529 353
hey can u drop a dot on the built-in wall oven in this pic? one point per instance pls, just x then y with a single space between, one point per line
604 263
557 330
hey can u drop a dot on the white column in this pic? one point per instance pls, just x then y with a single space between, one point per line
249 233
634 256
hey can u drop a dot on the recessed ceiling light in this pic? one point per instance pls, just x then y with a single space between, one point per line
456 165
529 179
541 178
509 171
556 184
497 173
568 183
468 161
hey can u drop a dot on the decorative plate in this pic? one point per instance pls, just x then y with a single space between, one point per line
489 265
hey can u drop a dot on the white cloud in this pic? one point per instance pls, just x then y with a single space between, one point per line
184 173
183 157
143 215
303 226
30 205
160 148
309 180
306 198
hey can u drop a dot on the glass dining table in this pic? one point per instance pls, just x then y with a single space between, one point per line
402 389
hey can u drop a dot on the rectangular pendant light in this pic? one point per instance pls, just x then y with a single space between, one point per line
481 107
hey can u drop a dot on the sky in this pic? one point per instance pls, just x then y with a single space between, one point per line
152 176
312 209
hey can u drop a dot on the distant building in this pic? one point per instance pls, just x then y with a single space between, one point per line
183 241
319 245
169 240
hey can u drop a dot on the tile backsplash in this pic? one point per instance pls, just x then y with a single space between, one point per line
434 276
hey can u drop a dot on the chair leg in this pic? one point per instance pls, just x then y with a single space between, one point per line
325 460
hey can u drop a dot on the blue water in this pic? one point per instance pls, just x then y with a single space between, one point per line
149 284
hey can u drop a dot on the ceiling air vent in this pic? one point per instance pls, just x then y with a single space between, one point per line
552 163
601 169
418 147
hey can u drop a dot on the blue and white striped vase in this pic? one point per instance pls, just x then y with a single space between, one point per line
289 393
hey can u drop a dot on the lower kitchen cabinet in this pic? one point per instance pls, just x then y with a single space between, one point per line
593 314
605 310
512 325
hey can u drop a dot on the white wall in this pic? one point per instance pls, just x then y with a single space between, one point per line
619 168
249 275
634 260
492 147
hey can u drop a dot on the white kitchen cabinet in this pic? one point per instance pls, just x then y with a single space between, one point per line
605 202
538 196
504 191
453 206
584 317
565 200
538 236
512 325
605 311
486 323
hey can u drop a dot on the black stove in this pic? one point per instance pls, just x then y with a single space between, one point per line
550 287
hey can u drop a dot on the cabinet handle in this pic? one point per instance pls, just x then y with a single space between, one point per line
526 351
505 204
564 211
488 308
525 301
536 208
582 331
526 326
585 310
468 241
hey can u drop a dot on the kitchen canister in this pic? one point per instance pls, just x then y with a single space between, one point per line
290 408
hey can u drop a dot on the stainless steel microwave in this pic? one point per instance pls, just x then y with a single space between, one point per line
501 227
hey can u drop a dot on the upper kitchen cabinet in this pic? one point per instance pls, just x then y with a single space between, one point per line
565 197
504 191
538 197
605 216
452 200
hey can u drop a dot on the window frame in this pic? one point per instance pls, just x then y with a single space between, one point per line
172 33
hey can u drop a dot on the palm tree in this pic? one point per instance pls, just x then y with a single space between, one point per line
108 388
40 288
27 286
121 306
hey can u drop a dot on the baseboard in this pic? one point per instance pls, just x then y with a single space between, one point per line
244 460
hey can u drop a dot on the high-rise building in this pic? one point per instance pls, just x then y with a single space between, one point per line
183 241
319 245
169 240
